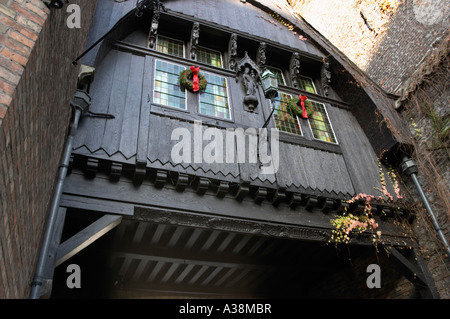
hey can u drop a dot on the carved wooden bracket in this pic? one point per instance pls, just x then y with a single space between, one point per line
221 188
140 171
241 190
154 29
115 171
195 34
294 68
261 56
181 182
91 167
158 177
259 194
201 185
278 196
232 51
325 76
295 200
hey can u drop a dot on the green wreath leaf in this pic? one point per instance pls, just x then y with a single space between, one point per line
294 106
186 81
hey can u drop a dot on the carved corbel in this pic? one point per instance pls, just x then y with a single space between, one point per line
278 196
154 29
259 194
232 51
295 201
201 185
182 181
222 189
158 178
311 202
116 171
294 68
91 167
195 34
325 76
261 56
241 191
327 205
140 171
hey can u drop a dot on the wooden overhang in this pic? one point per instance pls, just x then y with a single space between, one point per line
186 230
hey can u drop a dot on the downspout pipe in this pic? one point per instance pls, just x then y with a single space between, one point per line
80 105
409 167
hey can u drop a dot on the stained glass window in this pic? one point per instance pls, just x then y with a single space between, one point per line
167 89
170 46
214 100
209 56
306 84
285 120
320 124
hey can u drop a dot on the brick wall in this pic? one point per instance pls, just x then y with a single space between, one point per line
37 81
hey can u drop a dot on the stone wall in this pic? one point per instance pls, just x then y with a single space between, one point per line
425 107
386 39
37 81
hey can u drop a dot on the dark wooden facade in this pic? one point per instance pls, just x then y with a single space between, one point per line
218 229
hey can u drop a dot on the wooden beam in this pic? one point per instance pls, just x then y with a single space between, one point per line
418 275
86 237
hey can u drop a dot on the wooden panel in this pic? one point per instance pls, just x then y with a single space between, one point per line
305 167
116 90
117 104
132 109
359 156
90 130
160 148
144 119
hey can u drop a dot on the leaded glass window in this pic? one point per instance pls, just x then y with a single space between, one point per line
285 120
170 46
209 56
278 73
214 100
167 89
306 84
320 123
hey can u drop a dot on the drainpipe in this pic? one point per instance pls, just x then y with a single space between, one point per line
409 167
81 105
